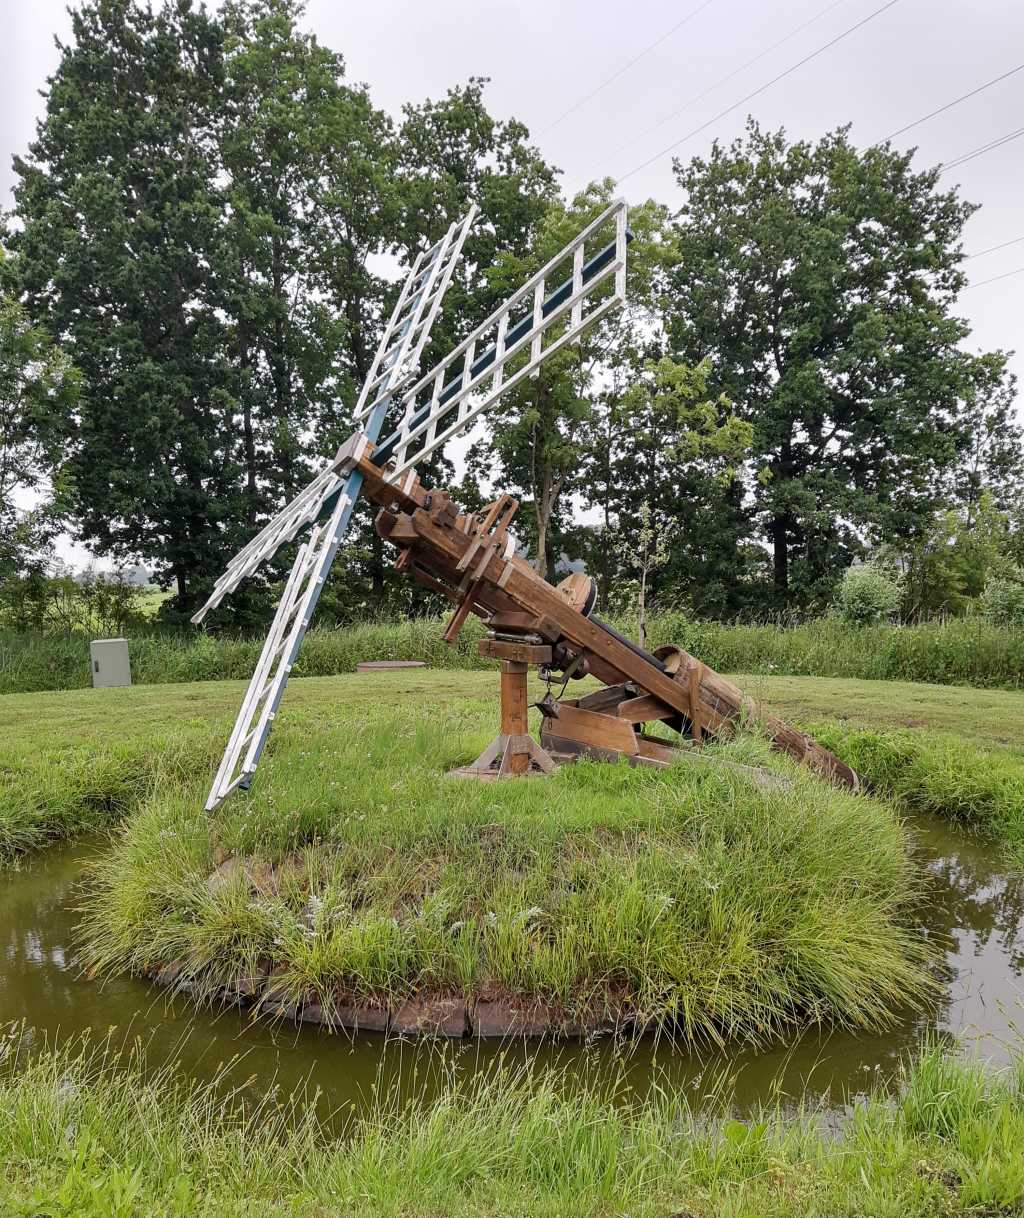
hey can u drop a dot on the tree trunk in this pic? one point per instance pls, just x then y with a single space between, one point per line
248 439
377 568
641 625
542 544
780 544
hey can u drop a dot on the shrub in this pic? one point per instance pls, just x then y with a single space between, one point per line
867 595
1002 601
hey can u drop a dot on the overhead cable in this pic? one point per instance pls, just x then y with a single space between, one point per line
625 67
969 156
725 79
992 248
955 102
775 80
1006 275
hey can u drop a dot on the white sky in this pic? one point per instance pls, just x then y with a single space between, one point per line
544 58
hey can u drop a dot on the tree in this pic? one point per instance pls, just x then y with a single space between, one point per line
641 547
672 449
37 380
121 214
946 566
821 282
449 153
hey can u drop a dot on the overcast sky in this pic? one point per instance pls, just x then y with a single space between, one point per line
545 59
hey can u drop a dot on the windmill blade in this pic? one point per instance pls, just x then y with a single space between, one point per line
404 339
448 399
398 354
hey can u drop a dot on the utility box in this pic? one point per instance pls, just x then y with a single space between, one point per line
110 663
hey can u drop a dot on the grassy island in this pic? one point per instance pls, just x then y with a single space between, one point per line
359 877
358 873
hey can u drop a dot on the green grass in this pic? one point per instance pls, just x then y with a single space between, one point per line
83 1136
81 759
957 652
689 896
941 774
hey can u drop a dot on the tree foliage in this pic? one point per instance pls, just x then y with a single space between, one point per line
37 382
821 281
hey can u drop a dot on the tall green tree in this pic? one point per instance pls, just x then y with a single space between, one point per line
449 153
674 453
122 217
821 281
37 381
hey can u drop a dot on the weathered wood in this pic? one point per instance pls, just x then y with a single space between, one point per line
695 694
593 728
514 712
604 699
643 709
523 653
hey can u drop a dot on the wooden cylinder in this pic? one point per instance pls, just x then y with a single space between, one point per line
514 721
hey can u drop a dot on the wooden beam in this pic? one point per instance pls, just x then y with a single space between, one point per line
640 710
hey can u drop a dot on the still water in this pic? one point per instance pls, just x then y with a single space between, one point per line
975 912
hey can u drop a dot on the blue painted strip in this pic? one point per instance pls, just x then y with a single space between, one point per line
385 451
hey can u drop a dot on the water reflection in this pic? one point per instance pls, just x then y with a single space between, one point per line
974 910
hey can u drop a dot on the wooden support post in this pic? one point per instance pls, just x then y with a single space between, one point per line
514 722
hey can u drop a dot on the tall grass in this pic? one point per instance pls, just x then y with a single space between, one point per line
983 789
689 896
954 652
83 1134
64 792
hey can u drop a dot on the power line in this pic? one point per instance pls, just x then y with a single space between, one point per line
992 248
955 102
725 79
775 80
969 156
1006 275
625 68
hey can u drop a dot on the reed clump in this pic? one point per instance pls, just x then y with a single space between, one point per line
85 1130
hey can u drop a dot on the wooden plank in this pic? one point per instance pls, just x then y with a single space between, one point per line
603 699
514 715
593 728
640 710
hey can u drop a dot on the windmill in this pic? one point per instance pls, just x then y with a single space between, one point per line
471 558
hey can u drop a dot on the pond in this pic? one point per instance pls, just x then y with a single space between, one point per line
974 911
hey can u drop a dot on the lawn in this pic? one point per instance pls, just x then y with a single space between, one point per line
75 760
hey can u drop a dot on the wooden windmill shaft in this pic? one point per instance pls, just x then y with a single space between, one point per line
470 559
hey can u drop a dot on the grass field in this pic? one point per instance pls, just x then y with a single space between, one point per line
79 759
80 1136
